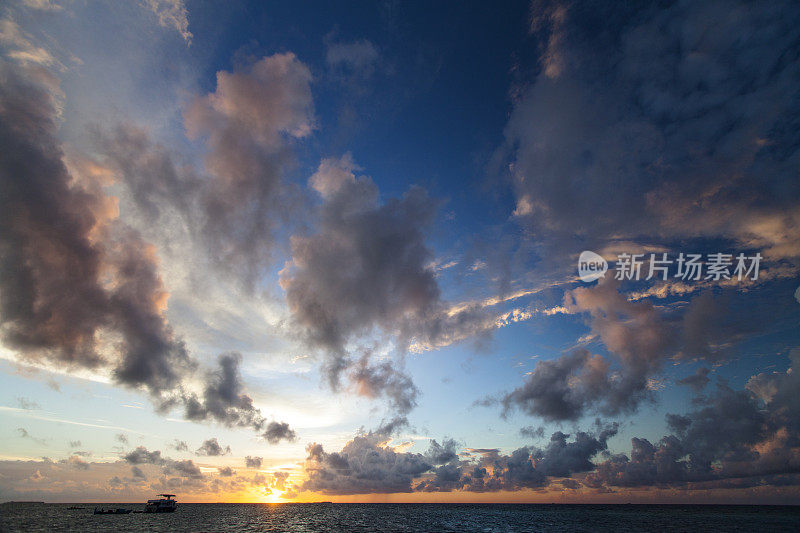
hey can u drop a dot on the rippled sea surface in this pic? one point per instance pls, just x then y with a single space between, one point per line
349 518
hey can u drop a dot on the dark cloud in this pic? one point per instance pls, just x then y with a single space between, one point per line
366 271
366 266
561 389
224 400
698 380
248 123
639 337
122 438
45 231
710 329
391 426
527 467
74 444
75 462
60 246
23 433
362 467
641 109
570 483
28 405
71 273
148 170
253 462
278 431
137 473
154 358
141 455
374 380
226 471
367 464
734 438
636 333
185 468
532 432
180 446
357 56
445 452
212 447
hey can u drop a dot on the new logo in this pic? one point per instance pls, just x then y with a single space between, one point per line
591 266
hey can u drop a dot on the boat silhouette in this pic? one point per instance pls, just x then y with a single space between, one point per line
167 504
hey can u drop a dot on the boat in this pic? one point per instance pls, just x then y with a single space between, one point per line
167 504
111 511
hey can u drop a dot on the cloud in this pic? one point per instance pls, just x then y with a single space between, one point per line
354 56
72 273
154 359
640 110
525 468
149 171
639 337
104 480
23 433
366 265
141 455
253 462
531 432
367 271
561 389
180 446
223 397
223 400
17 45
75 462
698 380
172 14
248 124
439 454
44 5
74 444
367 464
277 482
364 466
121 438
278 431
392 425
732 435
212 447
376 380
185 468
28 405
226 471
63 322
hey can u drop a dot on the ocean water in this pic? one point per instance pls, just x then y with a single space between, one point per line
352 518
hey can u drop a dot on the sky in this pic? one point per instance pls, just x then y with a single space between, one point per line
400 252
